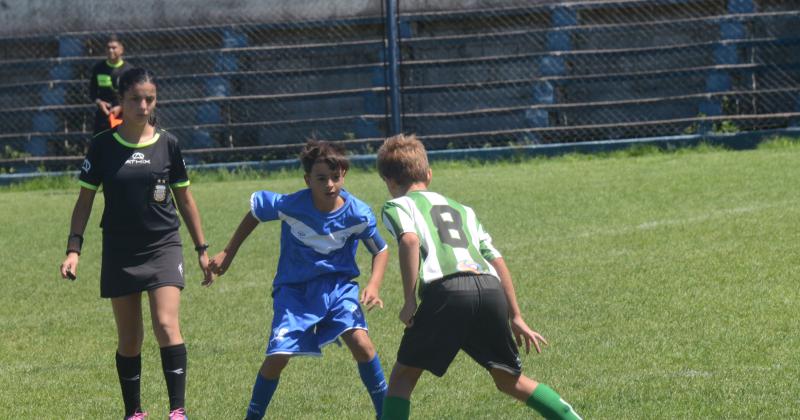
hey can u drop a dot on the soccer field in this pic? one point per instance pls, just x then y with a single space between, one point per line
666 285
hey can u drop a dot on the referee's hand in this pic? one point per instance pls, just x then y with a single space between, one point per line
69 268
208 276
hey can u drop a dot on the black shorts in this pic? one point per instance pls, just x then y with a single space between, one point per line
467 312
137 262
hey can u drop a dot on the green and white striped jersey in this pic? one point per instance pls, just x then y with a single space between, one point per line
452 240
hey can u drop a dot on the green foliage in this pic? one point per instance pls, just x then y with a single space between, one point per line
725 127
719 127
666 285
780 143
12 153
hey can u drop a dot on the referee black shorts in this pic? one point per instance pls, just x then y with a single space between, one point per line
138 262
464 312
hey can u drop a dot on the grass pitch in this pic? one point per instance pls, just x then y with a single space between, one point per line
665 283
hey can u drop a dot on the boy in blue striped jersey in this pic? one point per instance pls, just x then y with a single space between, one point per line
315 297
467 298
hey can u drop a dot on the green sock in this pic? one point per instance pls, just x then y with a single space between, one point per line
550 405
396 408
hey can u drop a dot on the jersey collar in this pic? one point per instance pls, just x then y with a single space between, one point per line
115 66
122 141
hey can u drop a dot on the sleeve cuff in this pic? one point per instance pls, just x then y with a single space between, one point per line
88 186
182 184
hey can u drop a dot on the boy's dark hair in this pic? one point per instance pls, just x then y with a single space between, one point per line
402 158
114 38
323 151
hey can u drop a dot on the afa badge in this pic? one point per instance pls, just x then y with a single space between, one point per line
160 191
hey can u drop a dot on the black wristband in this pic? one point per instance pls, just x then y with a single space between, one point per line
72 248
201 248
76 235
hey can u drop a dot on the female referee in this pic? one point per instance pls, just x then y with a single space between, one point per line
140 168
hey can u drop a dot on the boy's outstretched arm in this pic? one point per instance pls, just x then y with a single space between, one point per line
408 251
518 325
220 263
370 295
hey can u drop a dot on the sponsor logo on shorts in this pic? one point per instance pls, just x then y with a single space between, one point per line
86 166
355 310
280 335
180 268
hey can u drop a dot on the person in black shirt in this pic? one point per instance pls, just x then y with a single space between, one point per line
144 179
103 84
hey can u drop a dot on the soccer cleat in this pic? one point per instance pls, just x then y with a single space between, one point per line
138 415
178 414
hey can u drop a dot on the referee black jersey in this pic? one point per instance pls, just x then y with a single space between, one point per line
137 181
104 81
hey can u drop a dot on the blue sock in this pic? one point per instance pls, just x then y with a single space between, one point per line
262 395
372 376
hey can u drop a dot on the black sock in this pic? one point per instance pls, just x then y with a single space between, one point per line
173 361
129 370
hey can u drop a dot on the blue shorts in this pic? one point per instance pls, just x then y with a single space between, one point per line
307 316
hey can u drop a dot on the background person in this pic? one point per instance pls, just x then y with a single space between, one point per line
104 81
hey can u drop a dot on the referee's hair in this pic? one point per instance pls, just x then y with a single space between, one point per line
133 77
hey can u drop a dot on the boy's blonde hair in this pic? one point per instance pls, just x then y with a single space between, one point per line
402 158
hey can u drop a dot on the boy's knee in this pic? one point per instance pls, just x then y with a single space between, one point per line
501 385
504 381
360 345
403 380
273 366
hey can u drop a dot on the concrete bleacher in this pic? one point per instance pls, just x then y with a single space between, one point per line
602 64
538 74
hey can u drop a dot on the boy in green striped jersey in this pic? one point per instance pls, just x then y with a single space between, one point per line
467 298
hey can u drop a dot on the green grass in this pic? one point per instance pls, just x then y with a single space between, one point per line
665 283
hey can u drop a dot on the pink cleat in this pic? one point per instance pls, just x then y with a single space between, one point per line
178 414
138 415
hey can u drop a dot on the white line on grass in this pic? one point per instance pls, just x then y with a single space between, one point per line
715 214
